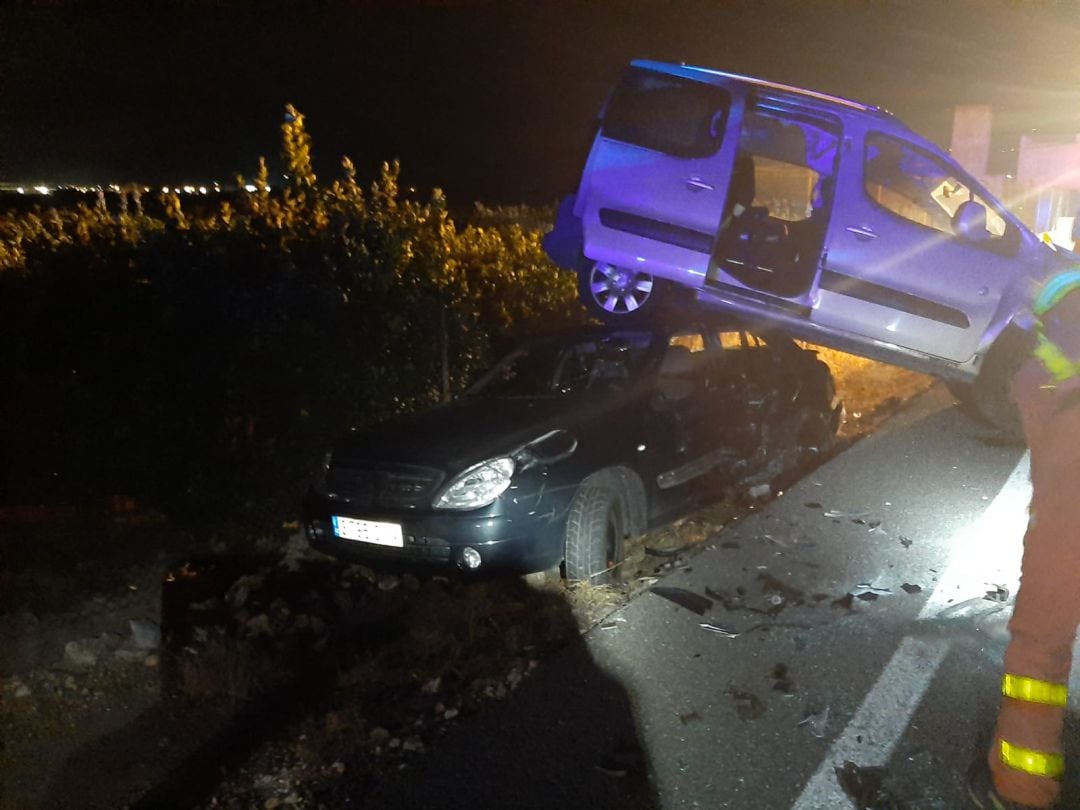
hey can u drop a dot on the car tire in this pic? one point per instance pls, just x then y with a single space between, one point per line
991 399
815 437
595 530
963 393
619 295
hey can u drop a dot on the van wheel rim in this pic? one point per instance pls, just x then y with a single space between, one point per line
619 290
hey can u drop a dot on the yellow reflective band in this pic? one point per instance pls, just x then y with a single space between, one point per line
1035 763
1031 690
1054 360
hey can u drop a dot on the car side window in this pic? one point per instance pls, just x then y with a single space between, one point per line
923 189
685 369
669 114
742 352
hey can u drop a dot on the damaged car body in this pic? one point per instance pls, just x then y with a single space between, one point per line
823 217
571 445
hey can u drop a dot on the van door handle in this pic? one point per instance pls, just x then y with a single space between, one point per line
696 184
864 233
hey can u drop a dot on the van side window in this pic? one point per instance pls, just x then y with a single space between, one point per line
925 190
667 113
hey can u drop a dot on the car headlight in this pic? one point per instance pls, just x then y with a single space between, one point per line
478 486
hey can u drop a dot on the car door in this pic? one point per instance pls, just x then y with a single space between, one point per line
782 182
683 431
918 256
654 186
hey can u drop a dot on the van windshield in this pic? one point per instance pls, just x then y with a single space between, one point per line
667 113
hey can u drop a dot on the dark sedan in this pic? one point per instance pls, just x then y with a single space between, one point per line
572 444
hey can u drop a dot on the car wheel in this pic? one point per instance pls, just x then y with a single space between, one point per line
990 399
595 531
963 393
620 295
815 437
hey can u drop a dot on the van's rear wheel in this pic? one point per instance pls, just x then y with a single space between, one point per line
620 294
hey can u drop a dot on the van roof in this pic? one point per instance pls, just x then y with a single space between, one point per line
703 73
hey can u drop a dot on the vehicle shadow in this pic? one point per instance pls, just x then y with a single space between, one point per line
257 655
567 739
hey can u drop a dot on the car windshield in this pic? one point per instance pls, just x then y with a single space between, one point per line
559 367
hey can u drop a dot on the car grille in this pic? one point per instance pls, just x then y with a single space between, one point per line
389 488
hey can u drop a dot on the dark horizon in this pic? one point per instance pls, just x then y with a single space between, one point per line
491 101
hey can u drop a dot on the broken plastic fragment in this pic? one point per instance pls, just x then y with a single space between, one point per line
909 588
719 630
816 721
832 513
999 594
694 602
905 542
760 491
812 505
866 596
869 586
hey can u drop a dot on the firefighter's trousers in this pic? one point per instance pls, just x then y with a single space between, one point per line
1026 756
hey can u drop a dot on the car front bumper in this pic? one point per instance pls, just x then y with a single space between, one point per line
523 541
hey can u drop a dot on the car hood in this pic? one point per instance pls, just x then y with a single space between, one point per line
459 434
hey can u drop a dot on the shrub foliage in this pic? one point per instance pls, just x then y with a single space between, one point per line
202 359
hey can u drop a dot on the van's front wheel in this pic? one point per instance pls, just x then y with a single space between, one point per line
619 294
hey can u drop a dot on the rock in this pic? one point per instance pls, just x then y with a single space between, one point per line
450 714
388 582
22 691
150 661
394 743
379 735
146 634
338 767
412 744
77 654
432 686
343 601
237 595
361 572
128 656
272 804
260 624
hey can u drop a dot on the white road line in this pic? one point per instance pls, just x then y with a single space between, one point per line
986 551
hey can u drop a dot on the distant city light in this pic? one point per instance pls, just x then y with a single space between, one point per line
250 188
21 190
202 189
43 189
189 189
164 189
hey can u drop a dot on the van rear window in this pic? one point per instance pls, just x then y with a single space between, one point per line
667 113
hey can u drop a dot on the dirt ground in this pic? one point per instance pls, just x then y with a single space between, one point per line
146 669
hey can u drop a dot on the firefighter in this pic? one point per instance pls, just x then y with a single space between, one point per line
1025 757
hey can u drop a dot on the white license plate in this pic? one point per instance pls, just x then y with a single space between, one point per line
368 531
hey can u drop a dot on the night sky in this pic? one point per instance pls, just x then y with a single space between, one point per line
491 100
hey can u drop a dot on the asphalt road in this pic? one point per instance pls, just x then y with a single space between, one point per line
918 523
